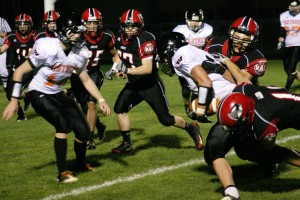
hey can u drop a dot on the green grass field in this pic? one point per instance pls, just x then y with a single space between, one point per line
164 165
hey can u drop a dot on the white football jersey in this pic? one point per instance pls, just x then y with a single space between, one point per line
187 57
198 38
55 67
292 26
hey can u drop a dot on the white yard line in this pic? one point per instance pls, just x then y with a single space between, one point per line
133 177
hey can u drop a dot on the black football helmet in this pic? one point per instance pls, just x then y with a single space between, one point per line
167 47
194 19
71 25
294 7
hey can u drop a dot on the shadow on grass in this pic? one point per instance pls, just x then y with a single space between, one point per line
251 178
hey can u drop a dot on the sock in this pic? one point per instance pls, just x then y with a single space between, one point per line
126 136
4 81
20 111
91 134
80 151
60 148
188 126
232 191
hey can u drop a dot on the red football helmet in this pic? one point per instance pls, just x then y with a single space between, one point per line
234 109
23 24
247 26
51 15
92 19
50 19
294 7
131 23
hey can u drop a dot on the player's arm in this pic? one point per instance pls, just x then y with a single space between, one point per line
145 68
13 105
3 48
93 90
205 90
237 74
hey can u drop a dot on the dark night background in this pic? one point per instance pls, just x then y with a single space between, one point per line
163 15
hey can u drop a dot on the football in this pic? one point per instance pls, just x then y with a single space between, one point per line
212 109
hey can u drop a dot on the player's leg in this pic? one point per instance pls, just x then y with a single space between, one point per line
126 100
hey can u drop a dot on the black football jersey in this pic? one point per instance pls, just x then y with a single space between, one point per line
253 61
97 46
132 52
275 109
21 46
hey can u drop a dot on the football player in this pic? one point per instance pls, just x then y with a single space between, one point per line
4 29
240 47
137 50
50 24
47 98
197 33
199 69
249 122
98 40
21 41
290 39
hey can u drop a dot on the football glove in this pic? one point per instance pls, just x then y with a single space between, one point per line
219 57
280 45
109 74
122 68
217 68
199 118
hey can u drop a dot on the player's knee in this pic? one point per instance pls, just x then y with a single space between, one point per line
166 119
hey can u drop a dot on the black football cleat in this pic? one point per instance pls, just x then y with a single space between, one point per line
91 144
195 134
123 148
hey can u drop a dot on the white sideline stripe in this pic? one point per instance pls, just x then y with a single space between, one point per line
142 175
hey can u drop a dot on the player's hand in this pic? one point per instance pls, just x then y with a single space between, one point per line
219 57
216 68
280 45
199 118
109 75
122 71
104 107
10 109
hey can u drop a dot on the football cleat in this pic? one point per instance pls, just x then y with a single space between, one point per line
123 148
91 144
228 197
195 134
66 177
21 118
85 167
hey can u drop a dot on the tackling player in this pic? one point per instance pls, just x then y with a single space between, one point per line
98 40
137 50
200 70
21 41
48 99
197 33
249 122
289 40
240 47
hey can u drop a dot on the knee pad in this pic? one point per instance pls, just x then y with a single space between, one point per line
166 119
